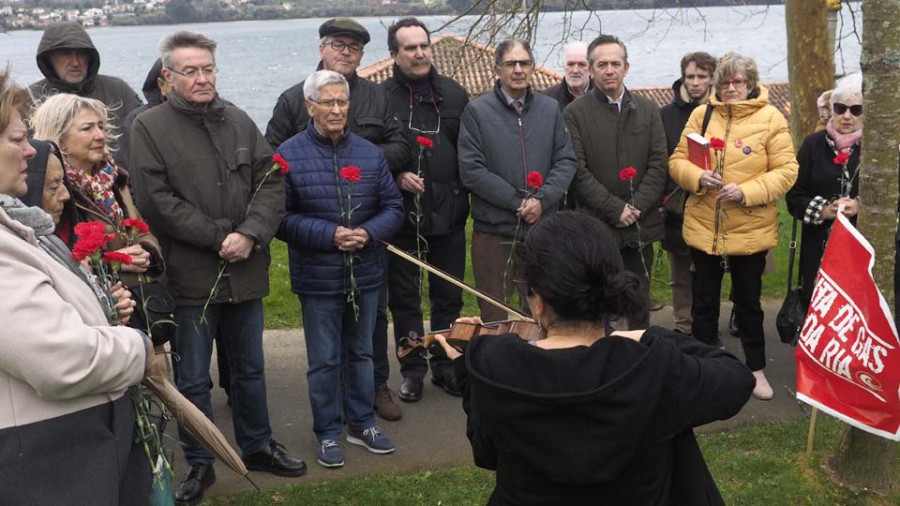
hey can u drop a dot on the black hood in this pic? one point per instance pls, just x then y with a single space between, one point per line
612 406
151 89
677 99
68 35
37 170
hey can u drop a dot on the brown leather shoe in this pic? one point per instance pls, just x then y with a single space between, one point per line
385 405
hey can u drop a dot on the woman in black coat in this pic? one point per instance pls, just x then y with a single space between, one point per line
828 178
586 416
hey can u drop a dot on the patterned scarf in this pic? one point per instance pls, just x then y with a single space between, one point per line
99 186
843 142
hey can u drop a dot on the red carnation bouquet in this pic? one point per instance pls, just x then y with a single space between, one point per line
533 180
350 174
92 238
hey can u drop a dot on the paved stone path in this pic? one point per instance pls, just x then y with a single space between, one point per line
431 433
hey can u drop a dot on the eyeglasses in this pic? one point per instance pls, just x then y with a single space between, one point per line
512 64
339 46
436 108
329 104
738 83
840 109
194 72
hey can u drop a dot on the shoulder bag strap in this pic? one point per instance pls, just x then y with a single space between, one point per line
793 250
706 118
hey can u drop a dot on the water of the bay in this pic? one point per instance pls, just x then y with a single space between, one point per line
259 59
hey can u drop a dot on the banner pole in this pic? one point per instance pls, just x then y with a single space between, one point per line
812 431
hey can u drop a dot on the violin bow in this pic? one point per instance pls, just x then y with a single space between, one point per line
450 279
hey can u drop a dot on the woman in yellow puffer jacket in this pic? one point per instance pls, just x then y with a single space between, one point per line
730 218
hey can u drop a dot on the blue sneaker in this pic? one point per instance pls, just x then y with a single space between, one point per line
330 454
372 439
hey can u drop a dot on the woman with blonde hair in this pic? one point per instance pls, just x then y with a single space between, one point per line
730 217
80 127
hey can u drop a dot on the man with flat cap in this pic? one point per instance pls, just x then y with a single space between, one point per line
370 117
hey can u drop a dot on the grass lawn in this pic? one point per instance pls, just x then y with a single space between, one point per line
283 308
763 465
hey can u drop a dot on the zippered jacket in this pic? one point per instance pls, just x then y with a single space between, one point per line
498 147
607 141
758 157
317 203
201 173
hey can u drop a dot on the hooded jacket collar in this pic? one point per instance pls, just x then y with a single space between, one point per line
151 88
757 99
69 35
682 99
213 111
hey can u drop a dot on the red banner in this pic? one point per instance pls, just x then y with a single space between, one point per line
848 354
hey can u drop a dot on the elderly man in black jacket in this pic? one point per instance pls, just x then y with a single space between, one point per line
370 117
436 204
205 185
613 130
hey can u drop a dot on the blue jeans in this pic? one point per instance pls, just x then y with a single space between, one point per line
242 326
336 342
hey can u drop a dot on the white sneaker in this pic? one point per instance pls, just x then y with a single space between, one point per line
763 390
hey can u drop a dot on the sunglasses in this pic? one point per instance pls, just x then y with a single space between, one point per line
855 110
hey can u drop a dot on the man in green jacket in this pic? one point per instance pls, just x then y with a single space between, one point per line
622 159
204 183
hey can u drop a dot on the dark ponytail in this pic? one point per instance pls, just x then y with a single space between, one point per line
572 260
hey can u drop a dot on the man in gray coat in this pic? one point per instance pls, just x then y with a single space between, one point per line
505 137
204 183
622 158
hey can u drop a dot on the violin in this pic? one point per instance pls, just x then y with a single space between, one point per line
460 333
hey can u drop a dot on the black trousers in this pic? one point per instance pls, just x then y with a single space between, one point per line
746 278
382 367
640 262
447 253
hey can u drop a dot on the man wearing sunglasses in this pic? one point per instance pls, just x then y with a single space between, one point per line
436 206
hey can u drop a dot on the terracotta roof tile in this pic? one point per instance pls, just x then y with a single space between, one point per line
471 64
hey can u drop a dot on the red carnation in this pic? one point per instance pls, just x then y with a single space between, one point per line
282 164
350 173
87 228
136 224
534 179
627 173
425 142
841 158
114 256
717 144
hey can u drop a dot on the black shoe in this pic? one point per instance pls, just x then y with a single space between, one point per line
276 461
443 377
200 478
410 389
732 325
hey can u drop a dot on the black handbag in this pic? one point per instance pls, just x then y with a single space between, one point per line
793 311
153 313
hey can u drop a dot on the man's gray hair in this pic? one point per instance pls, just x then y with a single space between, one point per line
573 47
321 78
847 87
181 39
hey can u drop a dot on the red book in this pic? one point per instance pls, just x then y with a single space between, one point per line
698 151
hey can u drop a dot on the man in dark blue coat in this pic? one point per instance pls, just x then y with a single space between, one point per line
341 202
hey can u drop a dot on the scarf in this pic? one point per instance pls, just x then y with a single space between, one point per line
32 217
843 142
99 186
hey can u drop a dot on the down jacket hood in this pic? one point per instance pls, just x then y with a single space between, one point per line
151 89
69 35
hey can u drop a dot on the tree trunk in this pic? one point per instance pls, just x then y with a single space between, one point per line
810 62
864 460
